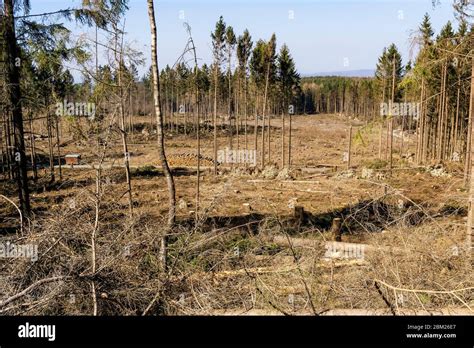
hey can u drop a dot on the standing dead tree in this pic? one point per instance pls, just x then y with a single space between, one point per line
190 47
123 132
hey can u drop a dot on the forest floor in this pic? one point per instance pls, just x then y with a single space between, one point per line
257 256
319 180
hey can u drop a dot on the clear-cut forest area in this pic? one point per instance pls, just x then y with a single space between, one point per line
235 184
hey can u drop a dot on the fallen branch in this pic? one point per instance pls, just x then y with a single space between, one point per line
446 292
19 212
31 287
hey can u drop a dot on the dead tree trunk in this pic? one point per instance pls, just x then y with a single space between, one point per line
336 230
198 127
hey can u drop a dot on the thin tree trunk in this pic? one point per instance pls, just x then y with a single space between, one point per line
264 111
33 149
229 102
256 120
289 141
283 138
123 132
58 145
237 116
470 224
456 126
50 147
215 120
269 138
246 112
198 137
381 138
349 149
161 140
391 119
421 123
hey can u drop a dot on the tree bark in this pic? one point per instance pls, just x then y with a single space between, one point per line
283 138
161 142
391 120
215 118
289 141
349 149
14 97
470 226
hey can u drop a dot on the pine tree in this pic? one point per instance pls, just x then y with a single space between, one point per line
218 42
270 57
244 47
288 79
257 73
426 31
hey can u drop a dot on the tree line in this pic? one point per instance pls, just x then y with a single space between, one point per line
436 85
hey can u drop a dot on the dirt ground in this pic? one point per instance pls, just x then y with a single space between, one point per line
319 178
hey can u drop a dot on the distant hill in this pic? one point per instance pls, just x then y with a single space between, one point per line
346 73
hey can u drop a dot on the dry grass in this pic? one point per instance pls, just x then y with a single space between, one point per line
231 261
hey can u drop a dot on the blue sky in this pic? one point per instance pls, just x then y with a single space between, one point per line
323 35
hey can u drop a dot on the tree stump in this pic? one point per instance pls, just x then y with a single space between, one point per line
336 229
298 214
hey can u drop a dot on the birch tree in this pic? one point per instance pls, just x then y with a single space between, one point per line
161 140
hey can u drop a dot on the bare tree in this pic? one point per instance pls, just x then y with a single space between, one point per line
161 140
120 63
190 47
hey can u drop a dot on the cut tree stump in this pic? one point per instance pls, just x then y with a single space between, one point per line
336 229
298 214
